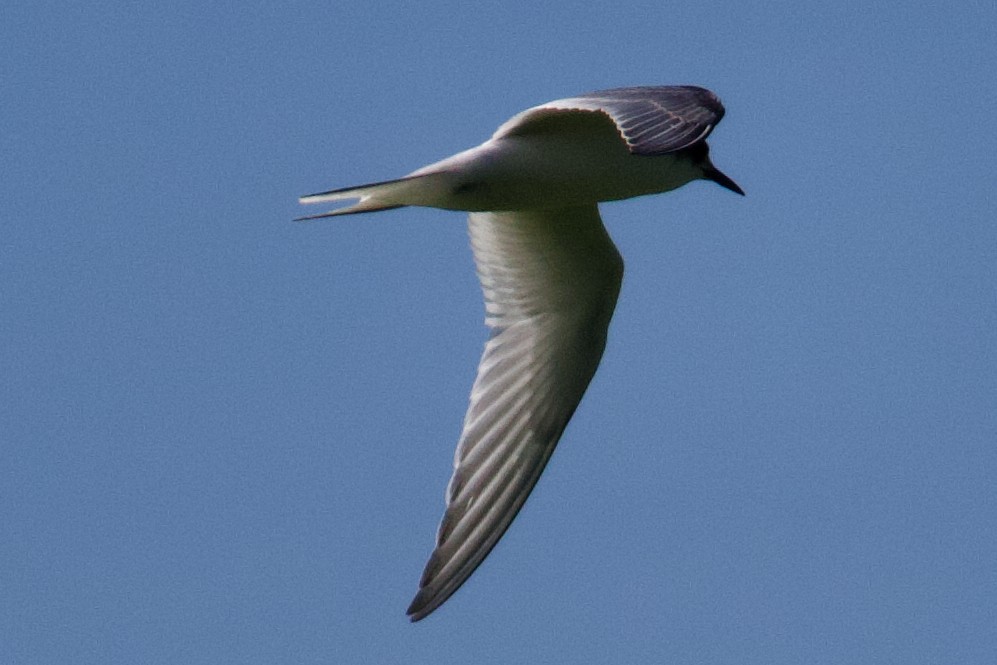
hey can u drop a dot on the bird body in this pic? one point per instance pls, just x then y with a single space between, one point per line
587 164
550 275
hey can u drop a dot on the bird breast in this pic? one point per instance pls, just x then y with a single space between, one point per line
536 172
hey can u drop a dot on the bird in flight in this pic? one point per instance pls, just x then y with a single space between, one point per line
550 275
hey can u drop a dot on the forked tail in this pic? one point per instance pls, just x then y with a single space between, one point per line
410 190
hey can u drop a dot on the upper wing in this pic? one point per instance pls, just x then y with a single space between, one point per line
550 280
653 120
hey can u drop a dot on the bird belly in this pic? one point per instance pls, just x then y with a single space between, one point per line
529 173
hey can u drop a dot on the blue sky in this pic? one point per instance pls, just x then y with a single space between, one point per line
226 436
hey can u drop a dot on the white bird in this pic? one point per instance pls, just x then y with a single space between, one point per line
550 275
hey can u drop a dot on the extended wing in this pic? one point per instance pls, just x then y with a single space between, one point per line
550 280
653 120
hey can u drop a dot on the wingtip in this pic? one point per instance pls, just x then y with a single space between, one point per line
420 608
428 599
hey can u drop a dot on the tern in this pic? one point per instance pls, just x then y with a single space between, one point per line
550 275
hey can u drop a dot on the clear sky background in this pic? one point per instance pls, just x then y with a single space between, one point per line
225 437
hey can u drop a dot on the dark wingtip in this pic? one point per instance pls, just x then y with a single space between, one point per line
420 608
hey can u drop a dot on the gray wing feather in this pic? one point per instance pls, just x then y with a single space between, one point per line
550 280
653 120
